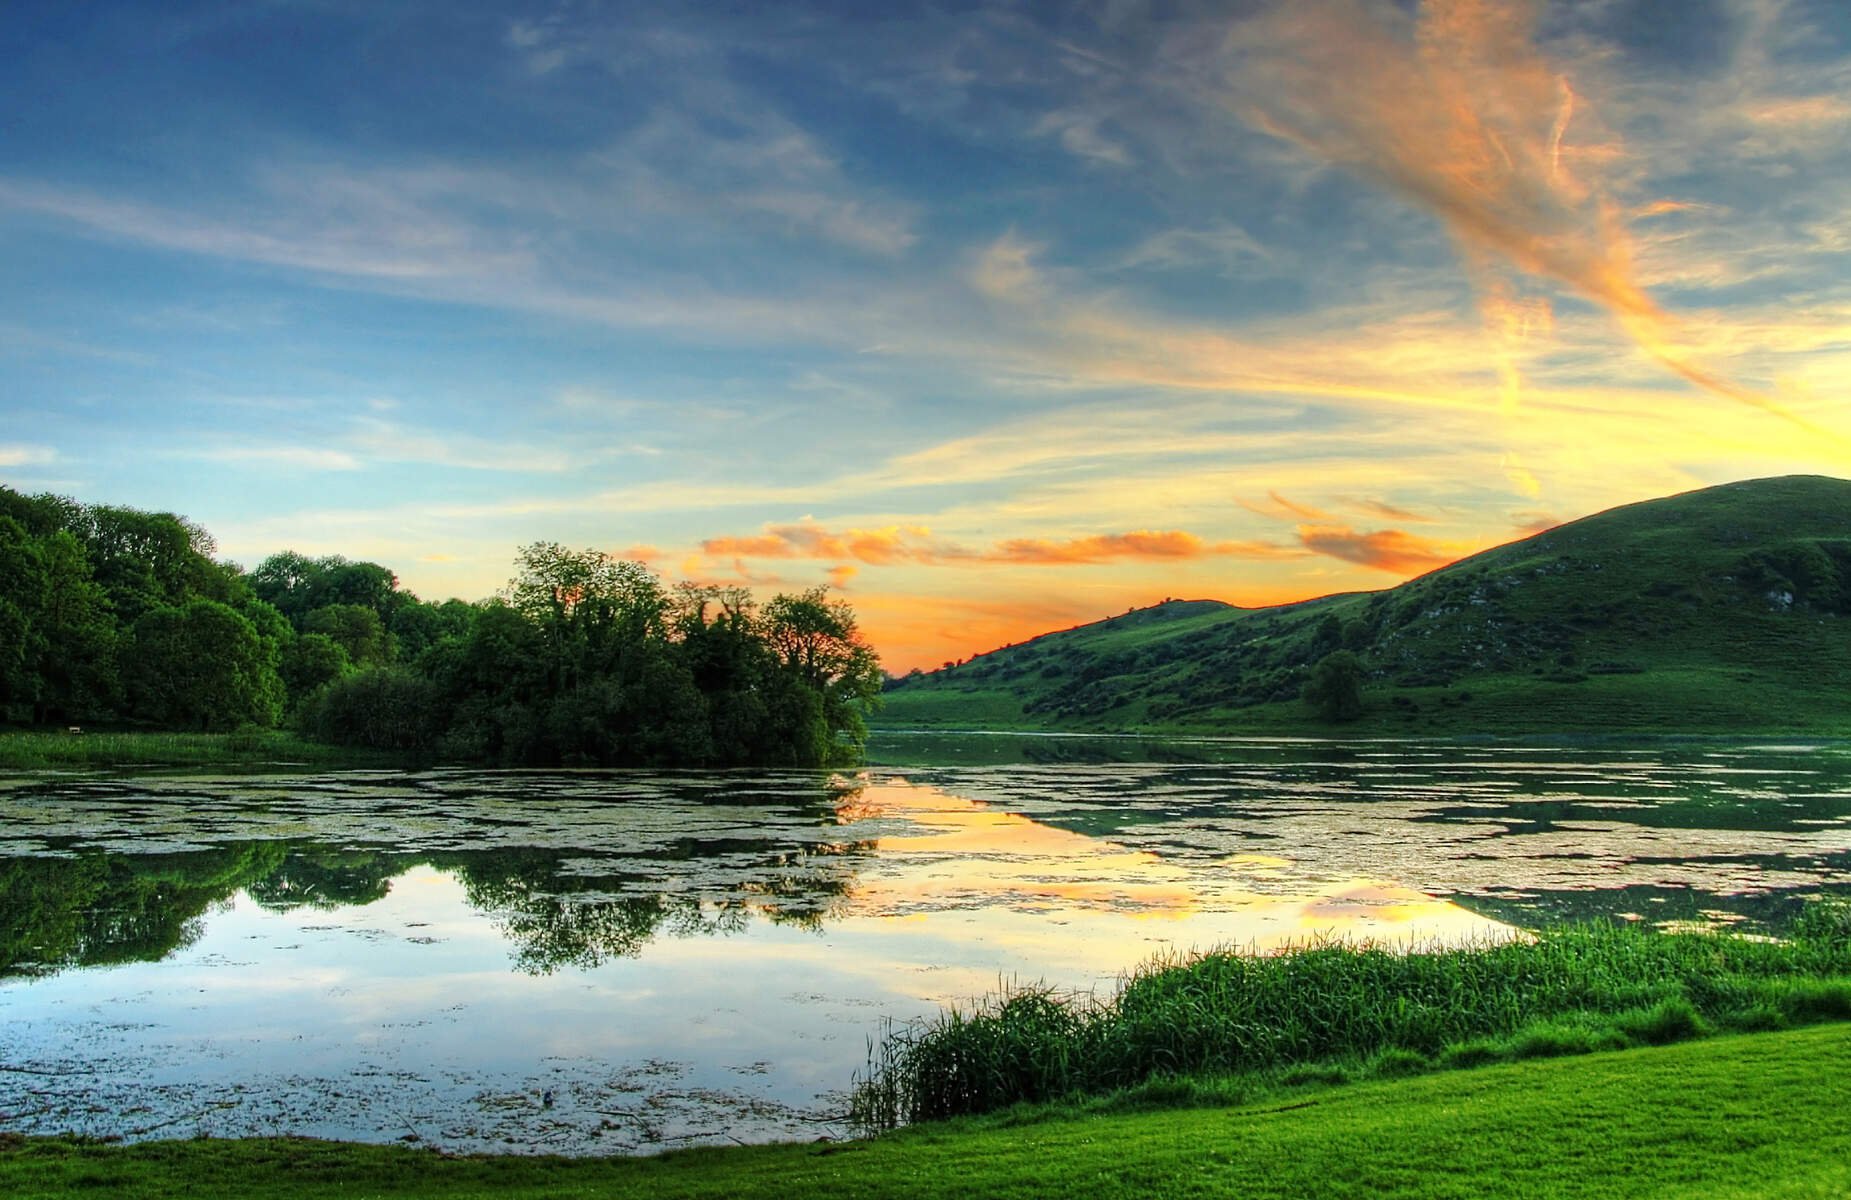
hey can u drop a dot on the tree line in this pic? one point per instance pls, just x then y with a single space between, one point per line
112 615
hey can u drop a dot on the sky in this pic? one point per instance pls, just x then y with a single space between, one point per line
995 317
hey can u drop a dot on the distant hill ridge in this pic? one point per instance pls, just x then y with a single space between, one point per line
1722 609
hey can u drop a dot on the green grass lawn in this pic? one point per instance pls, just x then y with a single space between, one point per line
1761 1115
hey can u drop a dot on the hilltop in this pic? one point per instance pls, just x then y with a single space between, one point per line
1718 610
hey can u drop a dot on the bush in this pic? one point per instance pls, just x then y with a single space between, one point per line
387 708
1335 688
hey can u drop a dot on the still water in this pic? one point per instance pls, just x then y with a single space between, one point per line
599 962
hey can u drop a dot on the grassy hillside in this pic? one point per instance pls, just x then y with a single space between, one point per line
1755 1116
1721 610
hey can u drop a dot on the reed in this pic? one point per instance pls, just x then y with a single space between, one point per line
1339 1010
40 750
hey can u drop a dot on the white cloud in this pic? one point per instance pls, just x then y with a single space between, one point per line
304 457
20 454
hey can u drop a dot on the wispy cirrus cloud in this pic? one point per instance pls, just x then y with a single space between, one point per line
355 443
1278 506
1381 508
1080 134
305 457
1225 246
1458 111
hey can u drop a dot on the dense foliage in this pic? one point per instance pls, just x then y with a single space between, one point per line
113 616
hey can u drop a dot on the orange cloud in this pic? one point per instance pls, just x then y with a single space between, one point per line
840 575
1140 543
915 544
1384 549
1457 111
809 540
1659 208
768 546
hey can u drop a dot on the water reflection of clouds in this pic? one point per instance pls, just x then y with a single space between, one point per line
1109 900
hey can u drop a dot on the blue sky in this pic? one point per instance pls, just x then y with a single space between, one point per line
999 317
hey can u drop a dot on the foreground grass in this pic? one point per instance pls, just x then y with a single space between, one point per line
1341 1011
1760 1116
32 750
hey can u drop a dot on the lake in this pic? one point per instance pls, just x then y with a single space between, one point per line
607 961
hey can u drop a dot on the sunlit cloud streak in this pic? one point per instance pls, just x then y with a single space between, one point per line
1143 544
1458 111
916 544
1393 512
1280 507
1391 550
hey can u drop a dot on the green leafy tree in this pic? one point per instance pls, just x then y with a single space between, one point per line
587 605
57 638
298 585
1335 689
818 643
356 629
309 662
203 666
490 680
416 626
145 560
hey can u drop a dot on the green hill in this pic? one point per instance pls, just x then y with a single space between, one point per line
1721 610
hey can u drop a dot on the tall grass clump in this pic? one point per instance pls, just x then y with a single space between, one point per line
29 750
1380 1010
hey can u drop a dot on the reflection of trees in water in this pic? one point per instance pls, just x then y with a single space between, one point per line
99 909
329 877
559 916
559 907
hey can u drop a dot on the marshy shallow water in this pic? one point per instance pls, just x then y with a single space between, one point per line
595 962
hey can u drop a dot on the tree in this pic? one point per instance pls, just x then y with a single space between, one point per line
589 608
298 585
356 629
203 666
147 560
416 626
56 638
817 642
1335 688
387 708
308 662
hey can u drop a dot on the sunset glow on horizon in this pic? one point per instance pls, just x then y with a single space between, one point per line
998 319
